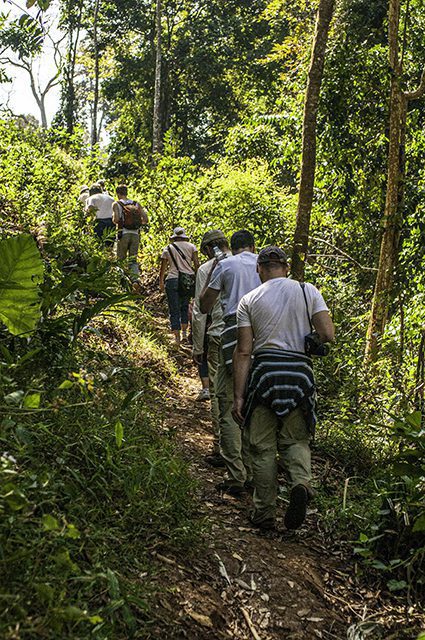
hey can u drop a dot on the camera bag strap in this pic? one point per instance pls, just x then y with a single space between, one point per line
302 285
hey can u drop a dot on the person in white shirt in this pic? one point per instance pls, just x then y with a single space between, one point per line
84 194
274 393
207 328
100 204
230 280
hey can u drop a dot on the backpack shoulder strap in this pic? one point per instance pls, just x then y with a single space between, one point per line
170 253
181 254
302 285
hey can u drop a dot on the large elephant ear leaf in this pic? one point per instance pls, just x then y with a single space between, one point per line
21 271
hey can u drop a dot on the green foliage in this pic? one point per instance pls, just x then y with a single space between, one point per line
88 487
21 270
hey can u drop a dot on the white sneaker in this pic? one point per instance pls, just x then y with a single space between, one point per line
204 394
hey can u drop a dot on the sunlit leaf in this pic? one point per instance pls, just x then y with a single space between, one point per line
32 401
66 384
119 433
50 523
21 271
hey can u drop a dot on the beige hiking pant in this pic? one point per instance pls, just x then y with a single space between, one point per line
234 446
213 359
269 436
128 244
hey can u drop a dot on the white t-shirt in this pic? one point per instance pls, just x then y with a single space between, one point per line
277 313
185 266
102 203
199 320
234 277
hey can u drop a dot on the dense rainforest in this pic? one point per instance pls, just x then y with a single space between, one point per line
304 122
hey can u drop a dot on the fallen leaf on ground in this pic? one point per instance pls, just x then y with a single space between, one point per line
204 620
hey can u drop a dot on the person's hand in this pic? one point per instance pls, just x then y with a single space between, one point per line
197 358
237 410
161 287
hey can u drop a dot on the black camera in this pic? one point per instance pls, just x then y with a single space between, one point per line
313 346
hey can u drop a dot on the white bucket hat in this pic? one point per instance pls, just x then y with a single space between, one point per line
179 233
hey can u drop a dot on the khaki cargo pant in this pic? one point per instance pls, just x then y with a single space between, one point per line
234 445
213 359
269 436
128 244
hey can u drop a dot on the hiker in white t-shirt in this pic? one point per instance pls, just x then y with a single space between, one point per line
180 258
274 394
128 216
231 279
100 204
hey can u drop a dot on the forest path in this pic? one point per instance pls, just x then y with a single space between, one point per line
245 583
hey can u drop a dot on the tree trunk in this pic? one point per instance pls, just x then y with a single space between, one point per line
393 213
94 130
157 112
393 219
308 161
69 99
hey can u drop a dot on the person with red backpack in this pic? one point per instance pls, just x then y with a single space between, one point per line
128 216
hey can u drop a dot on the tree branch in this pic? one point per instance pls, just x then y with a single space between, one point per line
345 255
419 92
21 65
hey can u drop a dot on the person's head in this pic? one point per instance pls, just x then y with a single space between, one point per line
121 191
178 234
211 239
272 263
95 188
102 184
242 241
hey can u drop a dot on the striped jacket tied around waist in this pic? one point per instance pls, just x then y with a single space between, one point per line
282 381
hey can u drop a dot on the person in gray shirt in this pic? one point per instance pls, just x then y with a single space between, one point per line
231 279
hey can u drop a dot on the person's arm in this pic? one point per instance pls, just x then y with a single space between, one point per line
195 259
324 326
162 272
199 320
209 295
115 213
89 207
143 214
208 299
241 367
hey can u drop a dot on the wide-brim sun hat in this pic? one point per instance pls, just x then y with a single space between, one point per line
179 234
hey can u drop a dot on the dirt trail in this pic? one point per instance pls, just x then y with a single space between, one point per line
247 584
252 585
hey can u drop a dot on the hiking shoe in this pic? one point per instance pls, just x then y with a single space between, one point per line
297 509
231 489
204 394
215 460
265 525
249 487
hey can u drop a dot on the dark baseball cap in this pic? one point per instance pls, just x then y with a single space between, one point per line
272 254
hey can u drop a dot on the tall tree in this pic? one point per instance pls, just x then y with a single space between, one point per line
71 23
24 41
157 112
94 130
393 212
308 159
